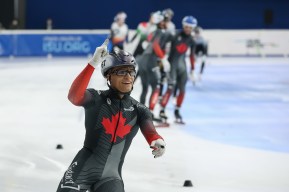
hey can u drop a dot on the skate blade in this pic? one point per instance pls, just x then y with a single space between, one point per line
157 120
163 117
161 125
180 122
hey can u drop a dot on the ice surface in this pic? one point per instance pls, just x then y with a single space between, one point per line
235 138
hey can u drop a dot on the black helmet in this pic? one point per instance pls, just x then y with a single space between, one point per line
117 58
168 13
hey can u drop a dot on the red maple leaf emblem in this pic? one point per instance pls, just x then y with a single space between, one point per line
182 48
110 126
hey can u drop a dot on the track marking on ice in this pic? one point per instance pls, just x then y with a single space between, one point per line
59 165
30 164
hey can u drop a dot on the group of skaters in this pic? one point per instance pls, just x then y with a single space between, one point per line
161 54
112 116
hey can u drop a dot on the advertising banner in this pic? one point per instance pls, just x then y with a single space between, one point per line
50 44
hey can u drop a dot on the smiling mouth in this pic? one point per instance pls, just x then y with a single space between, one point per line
126 83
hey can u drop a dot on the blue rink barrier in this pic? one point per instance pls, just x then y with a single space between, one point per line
55 44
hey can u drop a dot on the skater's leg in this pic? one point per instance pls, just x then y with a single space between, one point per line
145 84
182 88
163 76
155 84
167 96
164 102
204 58
180 99
175 95
70 181
154 97
115 185
192 71
181 84
171 78
202 67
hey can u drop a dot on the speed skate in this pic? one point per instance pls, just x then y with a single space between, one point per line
160 123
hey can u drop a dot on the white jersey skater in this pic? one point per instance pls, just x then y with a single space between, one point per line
119 32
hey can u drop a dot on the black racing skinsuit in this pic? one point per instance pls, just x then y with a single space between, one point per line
149 70
178 74
111 124
179 47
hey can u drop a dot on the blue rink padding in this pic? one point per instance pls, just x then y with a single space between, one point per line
6 45
50 44
243 105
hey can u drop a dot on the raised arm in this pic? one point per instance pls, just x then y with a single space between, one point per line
77 93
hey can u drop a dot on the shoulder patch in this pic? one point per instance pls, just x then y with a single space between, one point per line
108 101
139 105
131 108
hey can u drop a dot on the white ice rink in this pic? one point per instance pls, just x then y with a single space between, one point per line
236 138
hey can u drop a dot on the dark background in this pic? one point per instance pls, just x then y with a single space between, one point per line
6 12
94 14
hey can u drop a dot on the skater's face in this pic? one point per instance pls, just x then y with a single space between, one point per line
122 78
162 25
187 29
120 22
